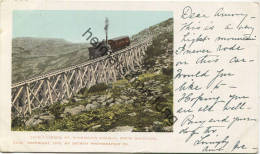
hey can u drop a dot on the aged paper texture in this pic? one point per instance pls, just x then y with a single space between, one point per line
84 76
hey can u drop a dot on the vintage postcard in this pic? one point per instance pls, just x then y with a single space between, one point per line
165 77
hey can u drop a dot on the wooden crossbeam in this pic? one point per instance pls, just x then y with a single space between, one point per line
114 74
14 104
34 96
67 86
131 60
80 79
137 58
61 95
45 96
28 99
77 84
41 82
17 110
104 68
52 87
48 93
72 87
57 91
73 72
18 94
49 90
83 75
127 61
93 79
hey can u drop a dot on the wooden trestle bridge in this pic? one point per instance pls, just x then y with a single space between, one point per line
56 86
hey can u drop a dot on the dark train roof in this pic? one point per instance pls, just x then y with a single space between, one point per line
118 38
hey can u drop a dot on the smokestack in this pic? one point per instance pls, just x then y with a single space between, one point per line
106 29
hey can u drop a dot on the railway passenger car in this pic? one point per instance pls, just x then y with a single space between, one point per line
119 43
114 45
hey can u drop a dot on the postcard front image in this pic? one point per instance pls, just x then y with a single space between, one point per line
92 71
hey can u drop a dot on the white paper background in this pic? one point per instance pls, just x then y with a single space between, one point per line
166 142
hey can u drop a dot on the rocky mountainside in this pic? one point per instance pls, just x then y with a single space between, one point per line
35 56
165 26
141 102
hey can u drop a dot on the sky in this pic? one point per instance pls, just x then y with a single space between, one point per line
70 25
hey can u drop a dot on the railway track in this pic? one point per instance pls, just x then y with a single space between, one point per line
39 77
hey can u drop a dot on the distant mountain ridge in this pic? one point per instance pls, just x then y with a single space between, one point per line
35 56
44 46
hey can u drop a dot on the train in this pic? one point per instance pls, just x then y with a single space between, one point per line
112 45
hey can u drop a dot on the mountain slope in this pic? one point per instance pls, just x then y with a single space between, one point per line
159 28
35 56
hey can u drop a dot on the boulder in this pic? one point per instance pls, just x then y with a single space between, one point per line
129 101
132 114
95 127
93 97
33 121
74 110
157 123
66 101
77 99
96 104
118 101
157 126
47 117
110 100
91 107
133 80
168 129
148 110
104 103
122 129
134 98
147 129
102 98
112 104
124 97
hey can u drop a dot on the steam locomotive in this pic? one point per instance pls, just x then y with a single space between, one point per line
112 45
